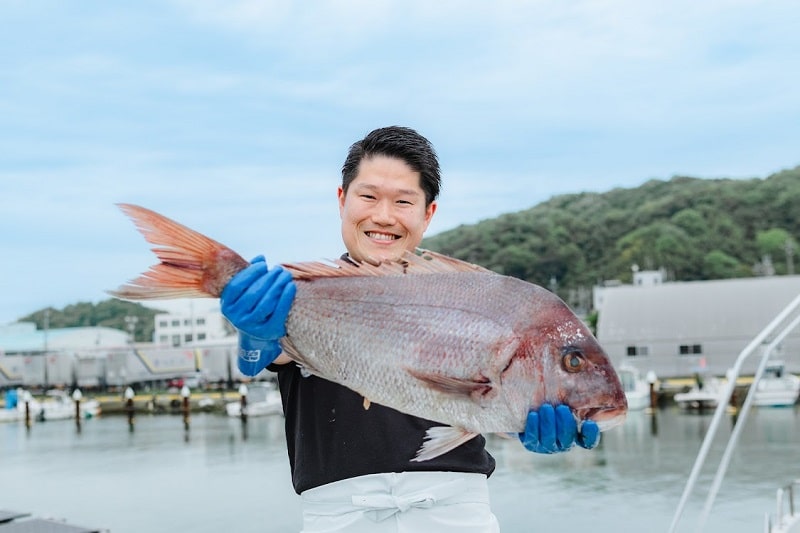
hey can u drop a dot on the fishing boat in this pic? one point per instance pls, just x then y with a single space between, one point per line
636 387
263 399
776 388
704 394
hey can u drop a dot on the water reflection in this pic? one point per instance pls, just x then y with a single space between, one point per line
235 476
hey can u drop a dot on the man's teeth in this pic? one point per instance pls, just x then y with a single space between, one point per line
380 236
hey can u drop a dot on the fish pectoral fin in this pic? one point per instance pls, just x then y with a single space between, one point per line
479 389
294 354
440 440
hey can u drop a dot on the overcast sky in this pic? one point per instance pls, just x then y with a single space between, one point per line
234 117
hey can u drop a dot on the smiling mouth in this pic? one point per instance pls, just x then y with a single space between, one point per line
381 236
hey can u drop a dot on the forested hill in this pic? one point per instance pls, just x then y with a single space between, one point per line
696 229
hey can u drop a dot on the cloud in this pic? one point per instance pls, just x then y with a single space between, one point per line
233 117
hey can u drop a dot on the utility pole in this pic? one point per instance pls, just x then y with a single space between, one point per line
46 348
789 249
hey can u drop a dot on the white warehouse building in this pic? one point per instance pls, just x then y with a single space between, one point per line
188 327
678 328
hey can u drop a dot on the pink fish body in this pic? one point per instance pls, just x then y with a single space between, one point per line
430 336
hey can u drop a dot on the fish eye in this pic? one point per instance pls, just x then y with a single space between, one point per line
573 360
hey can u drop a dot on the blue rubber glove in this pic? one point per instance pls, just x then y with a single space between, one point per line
553 430
257 301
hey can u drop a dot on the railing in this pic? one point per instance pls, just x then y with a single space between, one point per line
768 338
785 495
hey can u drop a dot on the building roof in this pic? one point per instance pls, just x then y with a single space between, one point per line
23 337
729 308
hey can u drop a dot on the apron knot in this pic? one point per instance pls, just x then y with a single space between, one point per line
379 507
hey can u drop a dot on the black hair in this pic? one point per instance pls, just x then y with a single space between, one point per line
401 143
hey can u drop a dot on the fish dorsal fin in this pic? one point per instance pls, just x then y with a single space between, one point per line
414 263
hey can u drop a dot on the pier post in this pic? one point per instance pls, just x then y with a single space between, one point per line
185 393
243 400
129 394
651 380
77 396
26 397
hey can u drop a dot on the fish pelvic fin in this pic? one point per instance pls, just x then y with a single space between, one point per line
479 389
192 265
440 440
412 263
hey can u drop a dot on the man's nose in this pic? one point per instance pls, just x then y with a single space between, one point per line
384 214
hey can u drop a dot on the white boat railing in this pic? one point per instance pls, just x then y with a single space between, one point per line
784 520
769 338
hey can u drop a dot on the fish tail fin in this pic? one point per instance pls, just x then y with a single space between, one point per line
192 265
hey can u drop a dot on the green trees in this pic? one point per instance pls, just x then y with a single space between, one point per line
109 313
693 228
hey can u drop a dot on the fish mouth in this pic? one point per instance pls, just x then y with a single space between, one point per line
605 417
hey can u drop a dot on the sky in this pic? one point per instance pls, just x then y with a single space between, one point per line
233 117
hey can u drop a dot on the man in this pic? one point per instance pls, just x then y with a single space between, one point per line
350 464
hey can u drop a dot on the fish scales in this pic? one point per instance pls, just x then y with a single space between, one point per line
465 326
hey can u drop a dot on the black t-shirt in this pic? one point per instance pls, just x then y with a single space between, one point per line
330 436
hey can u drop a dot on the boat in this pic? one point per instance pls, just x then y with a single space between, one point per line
263 399
787 516
636 387
11 414
58 405
704 394
776 388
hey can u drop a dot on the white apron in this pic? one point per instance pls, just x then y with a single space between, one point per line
405 502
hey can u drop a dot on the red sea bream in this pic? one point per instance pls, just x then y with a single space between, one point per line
429 335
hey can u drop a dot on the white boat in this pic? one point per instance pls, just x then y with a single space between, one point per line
262 399
636 387
704 394
58 405
776 388
11 414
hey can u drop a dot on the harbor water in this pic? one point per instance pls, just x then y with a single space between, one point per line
223 476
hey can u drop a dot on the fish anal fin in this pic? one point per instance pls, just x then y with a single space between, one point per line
440 440
479 389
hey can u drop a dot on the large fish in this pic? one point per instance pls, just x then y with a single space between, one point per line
429 335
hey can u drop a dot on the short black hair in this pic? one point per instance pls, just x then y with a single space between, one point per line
401 143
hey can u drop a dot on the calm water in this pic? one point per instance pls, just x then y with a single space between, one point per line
158 478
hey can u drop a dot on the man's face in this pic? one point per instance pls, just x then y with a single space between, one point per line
383 213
